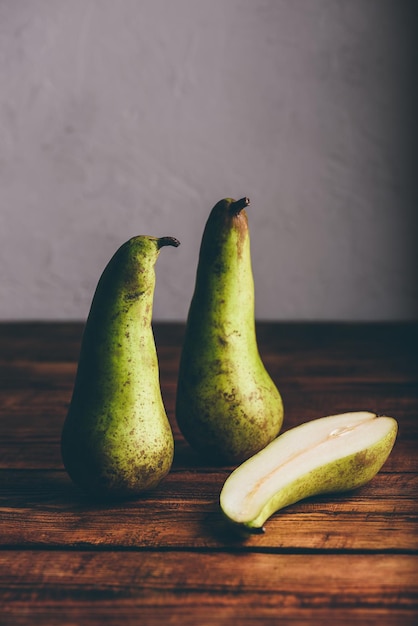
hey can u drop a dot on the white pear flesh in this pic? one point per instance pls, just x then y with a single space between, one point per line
330 454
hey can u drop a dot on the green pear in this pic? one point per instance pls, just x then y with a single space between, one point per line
227 406
330 454
116 440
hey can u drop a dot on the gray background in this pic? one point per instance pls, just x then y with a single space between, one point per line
133 117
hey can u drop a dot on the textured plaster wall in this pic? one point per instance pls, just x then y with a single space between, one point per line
123 117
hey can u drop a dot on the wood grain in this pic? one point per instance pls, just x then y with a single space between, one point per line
183 512
168 557
211 586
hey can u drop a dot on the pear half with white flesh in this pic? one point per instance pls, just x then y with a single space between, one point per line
330 454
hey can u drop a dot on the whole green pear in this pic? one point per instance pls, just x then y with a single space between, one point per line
116 440
227 406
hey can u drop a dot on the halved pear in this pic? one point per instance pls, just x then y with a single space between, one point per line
330 454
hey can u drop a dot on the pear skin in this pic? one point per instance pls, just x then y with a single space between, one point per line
116 440
327 455
227 406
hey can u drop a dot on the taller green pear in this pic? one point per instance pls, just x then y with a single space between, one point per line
227 406
116 440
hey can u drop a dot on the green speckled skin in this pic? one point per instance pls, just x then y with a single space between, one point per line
227 406
116 440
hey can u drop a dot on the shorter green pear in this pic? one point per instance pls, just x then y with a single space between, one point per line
330 454
116 440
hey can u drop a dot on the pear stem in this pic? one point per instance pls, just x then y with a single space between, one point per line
237 206
168 241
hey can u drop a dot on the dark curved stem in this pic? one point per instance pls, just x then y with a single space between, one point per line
168 241
237 206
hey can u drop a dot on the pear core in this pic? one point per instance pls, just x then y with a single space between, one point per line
329 454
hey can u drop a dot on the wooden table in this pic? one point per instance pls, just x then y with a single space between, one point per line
167 557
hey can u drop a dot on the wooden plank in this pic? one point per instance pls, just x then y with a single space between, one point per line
43 407
326 581
45 508
356 351
219 587
19 338
177 526
200 484
225 612
23 447
308 371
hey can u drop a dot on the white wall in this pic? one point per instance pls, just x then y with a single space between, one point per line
133 117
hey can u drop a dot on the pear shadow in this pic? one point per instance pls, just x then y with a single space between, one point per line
87 501
37 488
214 524
222 531
185 457
54 490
